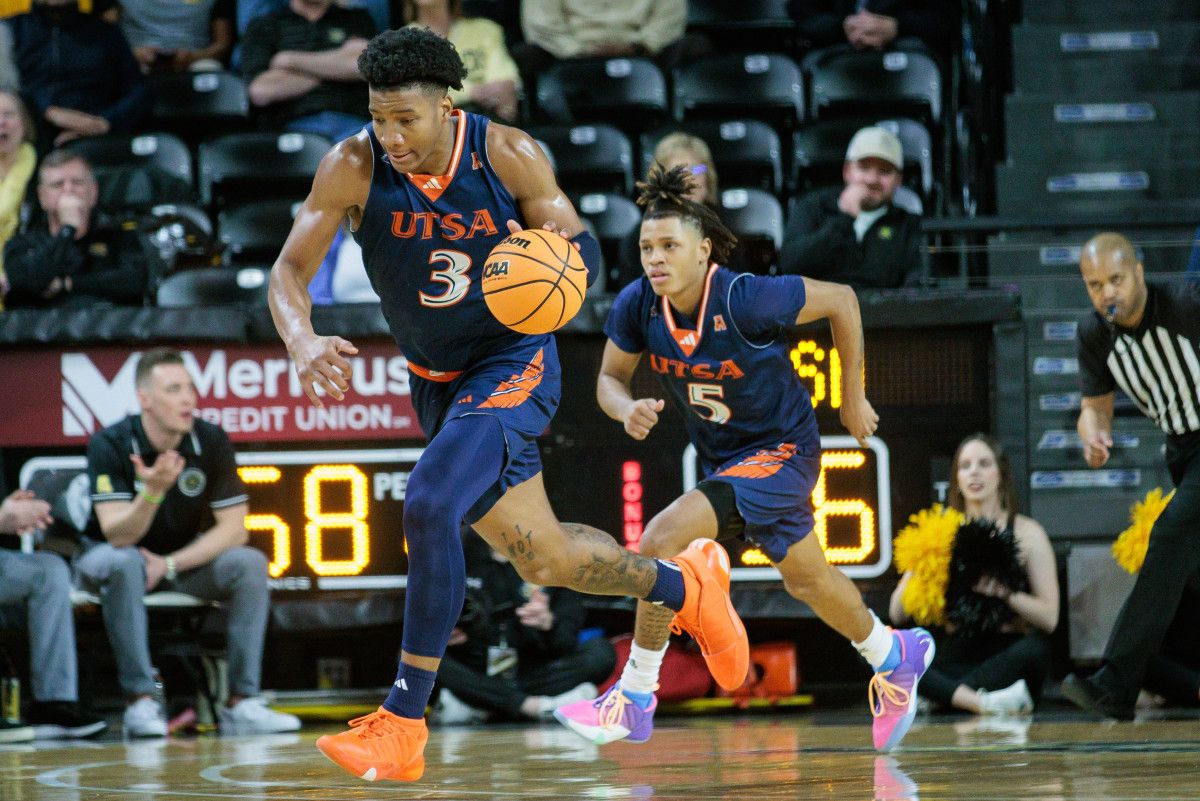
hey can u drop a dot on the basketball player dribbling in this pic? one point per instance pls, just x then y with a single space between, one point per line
429 191
716 340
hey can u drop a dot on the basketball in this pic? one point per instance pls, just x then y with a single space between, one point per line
534 281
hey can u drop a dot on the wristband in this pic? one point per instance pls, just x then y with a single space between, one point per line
155 499
170 575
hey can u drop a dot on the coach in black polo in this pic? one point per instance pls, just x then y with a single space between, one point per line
1145 339
168 512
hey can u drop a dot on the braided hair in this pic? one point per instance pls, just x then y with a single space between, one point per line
664 194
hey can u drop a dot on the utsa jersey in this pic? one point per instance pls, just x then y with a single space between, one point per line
424 240
728 370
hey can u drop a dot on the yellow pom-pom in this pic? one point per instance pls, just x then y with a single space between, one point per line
924 547
1130 548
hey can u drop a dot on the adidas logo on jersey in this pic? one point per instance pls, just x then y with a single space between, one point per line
432 183
690 339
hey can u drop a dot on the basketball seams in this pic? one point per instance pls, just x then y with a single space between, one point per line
556 264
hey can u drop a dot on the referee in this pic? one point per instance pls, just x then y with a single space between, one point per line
1144 338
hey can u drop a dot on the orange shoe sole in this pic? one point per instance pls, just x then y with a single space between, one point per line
362 769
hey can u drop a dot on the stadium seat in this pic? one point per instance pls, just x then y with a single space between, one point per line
819 151
763 86
195 105
214 286
250 166
1129 186
630 93
745 152
613 218
871 83
756 218
590 158
253 233
165 151
757 25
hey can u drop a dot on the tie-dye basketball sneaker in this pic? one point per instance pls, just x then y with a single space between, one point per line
893 694
610 717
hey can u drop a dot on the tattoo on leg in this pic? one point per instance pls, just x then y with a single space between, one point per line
519 546
607 568
652 627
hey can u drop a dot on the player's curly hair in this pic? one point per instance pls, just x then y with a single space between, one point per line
664 194
408 56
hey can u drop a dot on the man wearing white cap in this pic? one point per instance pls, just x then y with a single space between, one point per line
854 234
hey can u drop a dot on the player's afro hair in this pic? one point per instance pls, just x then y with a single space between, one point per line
409 56
664 194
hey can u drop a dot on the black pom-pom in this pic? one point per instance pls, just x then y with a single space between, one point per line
982 549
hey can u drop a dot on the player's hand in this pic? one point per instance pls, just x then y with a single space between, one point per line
514 227
319 362
457 637
641 416
156 568
535 613
160 478
859 418
1097 449
22 511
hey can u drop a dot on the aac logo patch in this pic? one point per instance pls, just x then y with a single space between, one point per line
191 482
103 483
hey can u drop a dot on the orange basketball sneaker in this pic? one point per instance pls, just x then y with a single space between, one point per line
709 616
379 746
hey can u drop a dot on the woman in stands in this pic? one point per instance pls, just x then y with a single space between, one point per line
490 87
17 163
993 672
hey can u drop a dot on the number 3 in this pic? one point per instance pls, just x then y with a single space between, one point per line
702 397
454 277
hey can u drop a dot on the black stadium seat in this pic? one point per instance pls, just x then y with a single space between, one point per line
875 83
613 219
757 25
196 105
756 218
819 151
250 166
763 86
745 152
214 286
630 93
590 158
163 150
253 233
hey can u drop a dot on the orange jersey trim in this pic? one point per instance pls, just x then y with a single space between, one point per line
761 464
434 375
517 389
432 186
686 339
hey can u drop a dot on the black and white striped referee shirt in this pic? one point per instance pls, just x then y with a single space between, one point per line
1156 364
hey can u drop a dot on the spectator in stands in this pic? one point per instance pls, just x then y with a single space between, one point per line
342 276
994 673
77 73
248 10
302 65
73 257
854 234
178 35
168 512
17 163
877 24
515 653
491 84
564 29
41 582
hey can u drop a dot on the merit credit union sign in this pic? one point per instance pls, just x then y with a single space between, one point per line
62 397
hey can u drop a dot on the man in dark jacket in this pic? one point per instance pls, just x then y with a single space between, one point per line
515 652
877 24
72 259
77 73
854 234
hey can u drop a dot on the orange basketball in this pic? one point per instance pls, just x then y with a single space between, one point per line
534 281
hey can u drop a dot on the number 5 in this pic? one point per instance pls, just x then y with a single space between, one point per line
702 397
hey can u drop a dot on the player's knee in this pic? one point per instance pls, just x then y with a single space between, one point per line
807 582
545 570
424 511
663 541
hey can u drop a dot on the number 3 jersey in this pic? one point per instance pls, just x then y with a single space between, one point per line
425 239
728 370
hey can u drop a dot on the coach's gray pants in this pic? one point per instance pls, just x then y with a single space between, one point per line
43 582
237 578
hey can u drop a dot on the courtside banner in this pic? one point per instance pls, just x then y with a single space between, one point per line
63 396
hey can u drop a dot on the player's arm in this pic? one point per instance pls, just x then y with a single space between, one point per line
340 185
1095 428
838 304
527 174
613 392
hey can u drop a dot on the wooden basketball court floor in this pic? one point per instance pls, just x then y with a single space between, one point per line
758 756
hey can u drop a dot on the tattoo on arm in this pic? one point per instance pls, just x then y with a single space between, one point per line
608 569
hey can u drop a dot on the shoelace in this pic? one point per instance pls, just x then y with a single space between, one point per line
880 691
375 724
612 708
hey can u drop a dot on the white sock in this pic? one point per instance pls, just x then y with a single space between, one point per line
878 644
641 671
